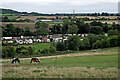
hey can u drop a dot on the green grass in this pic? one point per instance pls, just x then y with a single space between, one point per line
7 14
55 23
12 18
104 61
38 46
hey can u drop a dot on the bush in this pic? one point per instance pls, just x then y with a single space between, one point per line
86 43
97 44
105 43
81 45
92 39
45 51
8 52
60 46
96 30
30 50
113 32
52 49
113 41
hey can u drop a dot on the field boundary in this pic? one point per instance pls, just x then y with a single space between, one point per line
69 55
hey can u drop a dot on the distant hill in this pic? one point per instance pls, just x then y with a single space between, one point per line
10 11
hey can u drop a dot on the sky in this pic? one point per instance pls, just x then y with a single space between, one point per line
61 6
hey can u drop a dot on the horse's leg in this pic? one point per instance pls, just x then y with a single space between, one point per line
19 61
12 61
31 61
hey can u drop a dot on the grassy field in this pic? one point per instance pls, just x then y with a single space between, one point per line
12 18
7 14
38 46
99 66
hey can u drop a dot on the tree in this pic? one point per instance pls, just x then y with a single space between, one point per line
105 43
73 29
60 46
113 32
52 49
8 52
41 31
81 45
41 24
30 50
96 30
97 44
92 39
66 23
86 43
105 28
114 41
73 42
94 23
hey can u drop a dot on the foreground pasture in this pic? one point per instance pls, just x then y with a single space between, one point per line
95 66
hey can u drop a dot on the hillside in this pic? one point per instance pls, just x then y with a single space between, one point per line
9 11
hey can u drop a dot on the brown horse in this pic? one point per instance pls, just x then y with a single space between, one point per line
35 60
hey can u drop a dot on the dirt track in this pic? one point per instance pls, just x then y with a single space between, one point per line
67 55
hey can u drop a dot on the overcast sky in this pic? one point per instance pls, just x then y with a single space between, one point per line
61 6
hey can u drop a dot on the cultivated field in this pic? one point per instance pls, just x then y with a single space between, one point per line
100 64
21 25
51 17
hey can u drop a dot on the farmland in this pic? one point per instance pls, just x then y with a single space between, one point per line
94 66
38 46
22 25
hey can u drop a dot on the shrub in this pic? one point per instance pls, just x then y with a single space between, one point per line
45 51
97 44
60 46
113 41
30 50
8 52
96 30
105 43
113 32
81 45
86 43
52 49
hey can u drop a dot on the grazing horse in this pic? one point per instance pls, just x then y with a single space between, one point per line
15 59
35 60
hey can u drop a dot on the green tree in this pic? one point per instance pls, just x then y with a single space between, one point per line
113 32
41 24
60 46
73 29
52 49
8 52
30 50
96 30
81 45
42 31
114 41
97 44
73 42
105 43
86 43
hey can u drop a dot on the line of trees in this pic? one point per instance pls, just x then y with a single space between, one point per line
73 26
90 42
